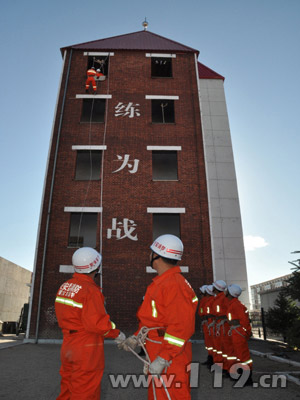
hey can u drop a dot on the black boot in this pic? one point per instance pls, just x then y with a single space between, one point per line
209 362
205 362
249 381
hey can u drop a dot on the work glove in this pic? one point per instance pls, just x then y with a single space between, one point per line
129 343
145 369
158 365
120 339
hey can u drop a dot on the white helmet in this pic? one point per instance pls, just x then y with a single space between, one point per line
209 289
234 290
168 246
220 285
86 260
202 289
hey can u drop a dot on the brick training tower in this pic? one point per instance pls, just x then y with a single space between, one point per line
149 152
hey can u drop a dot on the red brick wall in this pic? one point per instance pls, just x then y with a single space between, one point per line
125 195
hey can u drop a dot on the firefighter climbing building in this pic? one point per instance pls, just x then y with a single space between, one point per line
140 147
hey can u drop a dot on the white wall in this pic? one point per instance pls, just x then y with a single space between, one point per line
14 291
229 260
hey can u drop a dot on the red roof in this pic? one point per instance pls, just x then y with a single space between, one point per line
207 73
141 40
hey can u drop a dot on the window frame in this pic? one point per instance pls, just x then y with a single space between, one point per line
82 210
88 148
92 106
165 152
168 74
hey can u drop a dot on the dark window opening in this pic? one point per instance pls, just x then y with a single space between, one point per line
164 166
88 165
163 111
93 110
83 230
166 223
99 62
161 67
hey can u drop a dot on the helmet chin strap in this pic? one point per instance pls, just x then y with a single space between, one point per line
98 271
153 258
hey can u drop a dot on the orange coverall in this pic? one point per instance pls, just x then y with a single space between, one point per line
80 312
170 303
202 311
91 73
221 338
240 333
208 333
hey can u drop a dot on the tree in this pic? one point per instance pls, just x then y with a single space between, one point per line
282 317
293 337
293 283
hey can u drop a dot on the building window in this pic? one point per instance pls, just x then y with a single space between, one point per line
166 223
93 110
99 62
164 166
83 229
278 284
163 111
161 67
88 165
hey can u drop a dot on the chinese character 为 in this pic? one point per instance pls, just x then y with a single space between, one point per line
128 226
126 160
129 109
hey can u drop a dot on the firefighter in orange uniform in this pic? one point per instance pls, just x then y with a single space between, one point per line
240 331
204 312
169 304
201 310
91 74
80 312
221 325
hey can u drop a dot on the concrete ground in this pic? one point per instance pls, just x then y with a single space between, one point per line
30 371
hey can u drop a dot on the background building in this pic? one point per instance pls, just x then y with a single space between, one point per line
14 290
148 153
263 295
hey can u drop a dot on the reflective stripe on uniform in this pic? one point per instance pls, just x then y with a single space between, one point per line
231 358
113 326
207 308
218 308
68 302
247 362
195 299
154 311
174 340
229 316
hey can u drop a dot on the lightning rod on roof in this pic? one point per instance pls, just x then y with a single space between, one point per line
145 24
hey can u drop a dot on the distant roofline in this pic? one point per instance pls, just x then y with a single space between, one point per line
89 44
284 277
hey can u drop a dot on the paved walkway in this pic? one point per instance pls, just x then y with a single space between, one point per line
30 371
